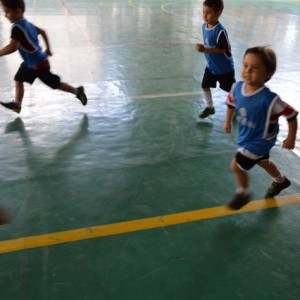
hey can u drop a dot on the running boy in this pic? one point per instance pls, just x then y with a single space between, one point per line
257 110
24 37
217 51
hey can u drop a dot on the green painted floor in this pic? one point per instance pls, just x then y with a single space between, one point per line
138 150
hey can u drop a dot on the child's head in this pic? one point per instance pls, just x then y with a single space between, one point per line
13 9
212 10
261 61
14 4
216 5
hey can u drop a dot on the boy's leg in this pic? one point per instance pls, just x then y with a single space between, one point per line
54 82
67 88
23 74
79 92
279 182
209 109
242 195
208 81
19 92
16 105
226 81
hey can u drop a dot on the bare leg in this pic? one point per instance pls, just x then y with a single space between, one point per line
242 195
19 92
78 92
279 182
67 88
240 175
270 168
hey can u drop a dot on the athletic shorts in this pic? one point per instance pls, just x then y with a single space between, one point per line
25 74
247 163
225 80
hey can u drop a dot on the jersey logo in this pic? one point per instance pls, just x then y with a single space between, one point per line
242 118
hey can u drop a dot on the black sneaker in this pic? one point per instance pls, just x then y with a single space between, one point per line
12 106
239 200
206 112
4 217
276 188
81 95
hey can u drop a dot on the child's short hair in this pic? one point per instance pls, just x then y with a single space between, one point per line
267 56
14 4
216 5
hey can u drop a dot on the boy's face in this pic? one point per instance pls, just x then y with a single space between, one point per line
254 72
210 16
11 14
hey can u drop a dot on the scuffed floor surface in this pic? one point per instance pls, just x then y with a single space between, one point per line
138 150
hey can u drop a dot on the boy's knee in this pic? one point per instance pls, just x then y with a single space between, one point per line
54 83
264 163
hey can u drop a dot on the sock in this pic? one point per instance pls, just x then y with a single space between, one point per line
242 191
279 178
208 99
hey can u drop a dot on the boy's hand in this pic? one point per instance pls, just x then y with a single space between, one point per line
227 127
288 144
200 48
48 51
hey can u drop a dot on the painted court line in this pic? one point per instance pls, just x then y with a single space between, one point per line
138 225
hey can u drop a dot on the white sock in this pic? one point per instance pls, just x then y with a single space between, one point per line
279 179
242 191
208 99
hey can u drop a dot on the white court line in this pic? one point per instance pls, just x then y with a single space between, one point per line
151 96
165 95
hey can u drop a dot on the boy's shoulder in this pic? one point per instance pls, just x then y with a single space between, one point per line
20 21
218 26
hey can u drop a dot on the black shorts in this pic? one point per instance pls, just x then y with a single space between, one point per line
225 80
25 74
247 163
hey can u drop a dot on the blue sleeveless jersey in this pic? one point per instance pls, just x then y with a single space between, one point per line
29 49
257 128
217 63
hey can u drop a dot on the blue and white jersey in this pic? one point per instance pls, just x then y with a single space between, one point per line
27 35
217 37
257 116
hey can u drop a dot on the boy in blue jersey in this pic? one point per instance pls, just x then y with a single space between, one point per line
217 51
257 112
24 37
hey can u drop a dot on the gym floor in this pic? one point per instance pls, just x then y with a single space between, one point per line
125 198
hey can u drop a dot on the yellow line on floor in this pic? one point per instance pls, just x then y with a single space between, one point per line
141 224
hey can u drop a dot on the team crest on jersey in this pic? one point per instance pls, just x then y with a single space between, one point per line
242 118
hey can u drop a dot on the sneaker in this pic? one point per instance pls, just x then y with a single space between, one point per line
206 112
81 95
239 200
12 105
276 188
4 217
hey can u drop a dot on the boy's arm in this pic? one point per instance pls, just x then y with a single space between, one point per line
201 48
11 47
46 40
222 46
289 142
227 123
